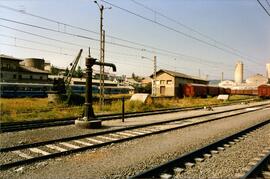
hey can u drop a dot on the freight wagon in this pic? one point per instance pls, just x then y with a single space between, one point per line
264 91
195 90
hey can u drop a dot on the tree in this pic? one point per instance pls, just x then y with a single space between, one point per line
66 72
54 70
79 72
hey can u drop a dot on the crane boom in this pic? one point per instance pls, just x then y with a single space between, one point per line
72 70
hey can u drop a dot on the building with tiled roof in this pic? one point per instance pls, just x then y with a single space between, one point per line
170 83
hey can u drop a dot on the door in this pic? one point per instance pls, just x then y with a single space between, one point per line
162 90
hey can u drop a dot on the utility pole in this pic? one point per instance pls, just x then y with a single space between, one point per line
101 85
101 56
222 76
199 72
155 77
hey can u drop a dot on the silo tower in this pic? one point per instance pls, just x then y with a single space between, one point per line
268 70
239 72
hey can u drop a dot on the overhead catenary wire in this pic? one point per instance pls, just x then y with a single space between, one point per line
179 32
152 51
263 8
112 43
268 3
186 27
55 52
87 30
124 40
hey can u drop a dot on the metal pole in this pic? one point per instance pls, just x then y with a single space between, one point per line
222 76
123 109
155 76
103 74
89 112
101 58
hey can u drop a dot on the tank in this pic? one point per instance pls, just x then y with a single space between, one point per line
268 70
239 72
34 62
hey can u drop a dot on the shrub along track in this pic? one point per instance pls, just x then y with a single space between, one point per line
29 153
25 125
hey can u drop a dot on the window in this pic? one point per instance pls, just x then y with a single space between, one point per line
2 75
40 78
20 77
31 77
14 76
162 82
169 82
8 66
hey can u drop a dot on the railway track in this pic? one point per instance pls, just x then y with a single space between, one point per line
25 125
29 153
174 168
261 169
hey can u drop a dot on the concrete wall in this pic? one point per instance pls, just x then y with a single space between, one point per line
239 72
167 82
268 70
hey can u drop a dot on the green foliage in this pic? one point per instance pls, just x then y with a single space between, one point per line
66 71
54 70
144 89
59 86
78 72
34 108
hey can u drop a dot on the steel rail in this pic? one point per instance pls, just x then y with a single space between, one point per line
24 125
190 157
256 170
53 155
130 128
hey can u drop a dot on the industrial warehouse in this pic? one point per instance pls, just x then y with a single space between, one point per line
135 89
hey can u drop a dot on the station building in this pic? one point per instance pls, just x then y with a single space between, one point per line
15 70
170 83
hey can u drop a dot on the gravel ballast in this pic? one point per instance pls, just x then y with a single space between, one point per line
227 163
125 159
37 135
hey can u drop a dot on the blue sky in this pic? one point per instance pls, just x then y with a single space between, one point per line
239 24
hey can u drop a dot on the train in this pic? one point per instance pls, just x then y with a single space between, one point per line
264 91
19 90
200 90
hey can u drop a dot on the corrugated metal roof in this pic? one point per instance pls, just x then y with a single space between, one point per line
180 75
10 57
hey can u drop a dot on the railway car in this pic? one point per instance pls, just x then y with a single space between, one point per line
116 90
264 91
221 90
227 91
19 90
80 89
213 90
195 90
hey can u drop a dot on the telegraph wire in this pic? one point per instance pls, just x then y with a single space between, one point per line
112 43
177 31
268 3
264 8
87 30
185 26
178 54
30 48
135 43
